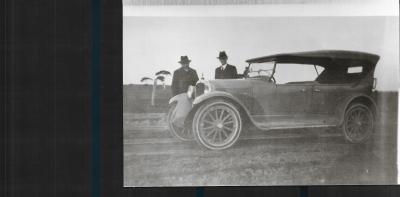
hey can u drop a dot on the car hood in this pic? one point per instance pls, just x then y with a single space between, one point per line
231 84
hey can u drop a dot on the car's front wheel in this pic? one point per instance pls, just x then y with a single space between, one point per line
217 124
358 123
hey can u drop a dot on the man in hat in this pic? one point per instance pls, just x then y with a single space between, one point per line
183 77
225 71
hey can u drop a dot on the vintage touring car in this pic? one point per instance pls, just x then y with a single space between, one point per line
327 88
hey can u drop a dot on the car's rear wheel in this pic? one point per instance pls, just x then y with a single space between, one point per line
179 132
358 123
217 124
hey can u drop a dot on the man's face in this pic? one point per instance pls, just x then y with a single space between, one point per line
223 61
185 64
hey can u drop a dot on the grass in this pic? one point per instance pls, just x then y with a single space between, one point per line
261 161
136 99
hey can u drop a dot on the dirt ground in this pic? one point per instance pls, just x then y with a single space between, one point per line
152 157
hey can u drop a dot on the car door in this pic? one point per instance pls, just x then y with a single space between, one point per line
290 102
325 99
327 95
264 101
279 104
293 99
294 84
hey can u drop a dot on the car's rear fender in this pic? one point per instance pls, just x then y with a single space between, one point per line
357 98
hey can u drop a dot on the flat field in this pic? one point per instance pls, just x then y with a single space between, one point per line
152 157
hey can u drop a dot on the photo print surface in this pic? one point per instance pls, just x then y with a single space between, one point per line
214 100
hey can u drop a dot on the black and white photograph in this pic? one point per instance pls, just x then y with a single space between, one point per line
260 95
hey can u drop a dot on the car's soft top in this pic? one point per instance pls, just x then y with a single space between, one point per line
323 58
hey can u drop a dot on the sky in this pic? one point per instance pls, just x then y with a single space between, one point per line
151 44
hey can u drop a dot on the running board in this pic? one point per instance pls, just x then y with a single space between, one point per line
276 122
269 127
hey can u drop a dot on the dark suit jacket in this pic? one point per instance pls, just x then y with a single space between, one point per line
228 73
182 79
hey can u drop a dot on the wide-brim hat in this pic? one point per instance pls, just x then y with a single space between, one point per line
185 59
222 55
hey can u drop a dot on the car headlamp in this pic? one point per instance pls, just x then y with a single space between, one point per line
208 87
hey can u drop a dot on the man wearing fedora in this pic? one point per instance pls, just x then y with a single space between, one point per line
183 77
225 71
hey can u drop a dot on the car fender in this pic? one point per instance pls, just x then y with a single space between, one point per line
215 94
220 94
182 109
174 99
345 104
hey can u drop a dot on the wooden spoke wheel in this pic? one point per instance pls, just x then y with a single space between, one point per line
179 132
358 123
217 124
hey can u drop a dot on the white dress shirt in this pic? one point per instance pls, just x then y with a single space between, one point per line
223 67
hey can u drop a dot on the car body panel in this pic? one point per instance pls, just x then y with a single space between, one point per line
264 95
293 98
237 89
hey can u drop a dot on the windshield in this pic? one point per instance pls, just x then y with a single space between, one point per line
264 69
280 73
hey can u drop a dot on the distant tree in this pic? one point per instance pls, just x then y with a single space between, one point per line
159 76
164 73
153 93
145 79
